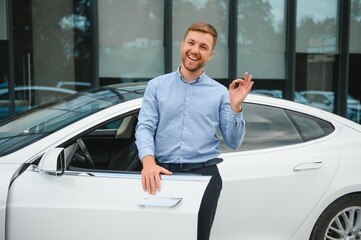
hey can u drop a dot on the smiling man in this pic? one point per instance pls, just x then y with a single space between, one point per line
179 118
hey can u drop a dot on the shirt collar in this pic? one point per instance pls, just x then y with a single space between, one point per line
199 79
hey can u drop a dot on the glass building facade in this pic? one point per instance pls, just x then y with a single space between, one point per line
302 50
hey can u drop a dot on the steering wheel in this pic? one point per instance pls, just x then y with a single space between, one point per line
88 159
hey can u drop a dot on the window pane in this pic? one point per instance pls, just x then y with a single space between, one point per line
317 28
4 79
355 60
311 128
355 29
267 127
261 38
3 22
58 44
317 48
213 12
131 39
51 45
314 79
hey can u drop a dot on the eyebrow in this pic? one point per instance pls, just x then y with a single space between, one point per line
200 44
204 45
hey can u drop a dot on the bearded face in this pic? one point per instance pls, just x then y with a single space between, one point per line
196 51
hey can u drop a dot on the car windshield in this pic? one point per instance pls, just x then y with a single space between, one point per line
39 122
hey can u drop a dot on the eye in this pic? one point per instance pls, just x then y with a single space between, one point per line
204 47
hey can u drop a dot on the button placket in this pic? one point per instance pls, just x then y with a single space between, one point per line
186 113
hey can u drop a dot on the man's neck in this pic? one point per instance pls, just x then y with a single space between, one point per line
190 76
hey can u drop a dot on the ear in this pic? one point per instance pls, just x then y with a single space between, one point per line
211 55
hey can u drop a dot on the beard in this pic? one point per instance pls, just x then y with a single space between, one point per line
191 65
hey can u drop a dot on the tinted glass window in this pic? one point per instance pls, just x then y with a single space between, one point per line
263 56
34 125
110 146
119 43
268 127
310 128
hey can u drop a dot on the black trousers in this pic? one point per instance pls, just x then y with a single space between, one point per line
210 198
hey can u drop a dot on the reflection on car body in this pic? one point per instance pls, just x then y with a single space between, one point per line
73 165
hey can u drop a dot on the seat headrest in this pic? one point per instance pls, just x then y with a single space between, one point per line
126 128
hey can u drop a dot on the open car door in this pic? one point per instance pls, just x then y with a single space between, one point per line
47 201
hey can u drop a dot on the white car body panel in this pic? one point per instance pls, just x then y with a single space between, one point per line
92 207
7 172
347 172
268 190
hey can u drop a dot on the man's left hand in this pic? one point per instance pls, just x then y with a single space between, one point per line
238 91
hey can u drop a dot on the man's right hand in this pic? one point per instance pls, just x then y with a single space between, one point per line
151 175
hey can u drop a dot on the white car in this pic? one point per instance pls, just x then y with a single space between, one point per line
69 170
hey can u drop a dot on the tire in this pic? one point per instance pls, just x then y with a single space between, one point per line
340 220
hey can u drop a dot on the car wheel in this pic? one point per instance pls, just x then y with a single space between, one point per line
340 220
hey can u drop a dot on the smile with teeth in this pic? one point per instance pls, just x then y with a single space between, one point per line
192 58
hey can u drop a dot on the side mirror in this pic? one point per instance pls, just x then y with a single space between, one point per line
53 162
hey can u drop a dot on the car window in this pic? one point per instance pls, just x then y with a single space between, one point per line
32 126
109 146
310 127
268 127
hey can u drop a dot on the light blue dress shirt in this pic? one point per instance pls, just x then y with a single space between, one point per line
178 120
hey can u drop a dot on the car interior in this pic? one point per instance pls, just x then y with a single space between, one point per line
110 146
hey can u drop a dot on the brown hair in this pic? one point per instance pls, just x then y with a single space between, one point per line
205 28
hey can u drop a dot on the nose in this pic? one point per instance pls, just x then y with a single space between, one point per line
194 49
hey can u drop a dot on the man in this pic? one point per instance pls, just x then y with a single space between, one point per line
180 115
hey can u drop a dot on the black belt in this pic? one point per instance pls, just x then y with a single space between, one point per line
189 166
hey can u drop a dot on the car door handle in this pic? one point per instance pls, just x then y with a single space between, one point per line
307 166
159 201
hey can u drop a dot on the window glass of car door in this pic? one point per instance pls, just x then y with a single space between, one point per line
111 147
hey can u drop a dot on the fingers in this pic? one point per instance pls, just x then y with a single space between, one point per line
151 180
151 183
246 82
166 171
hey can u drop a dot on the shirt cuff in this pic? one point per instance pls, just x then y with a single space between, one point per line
145 152
236 117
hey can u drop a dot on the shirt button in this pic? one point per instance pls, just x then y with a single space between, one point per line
187 98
